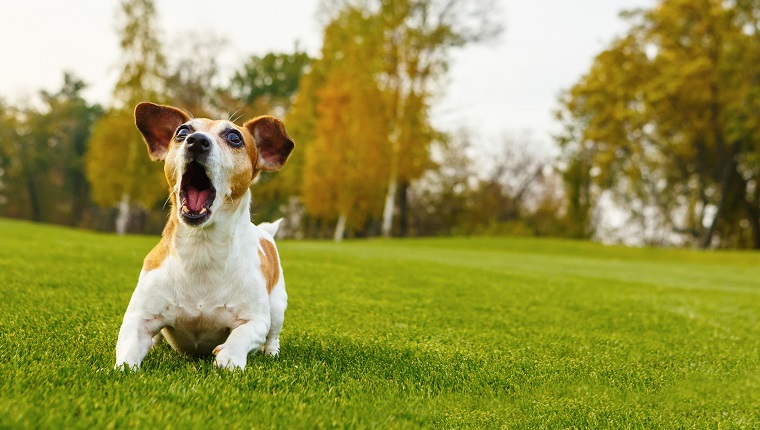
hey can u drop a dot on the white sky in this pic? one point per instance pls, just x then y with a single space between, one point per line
505 88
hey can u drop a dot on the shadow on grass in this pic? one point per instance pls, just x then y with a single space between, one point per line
339 363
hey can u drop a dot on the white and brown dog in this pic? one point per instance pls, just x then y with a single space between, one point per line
214 283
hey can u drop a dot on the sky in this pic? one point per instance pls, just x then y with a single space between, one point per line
508 87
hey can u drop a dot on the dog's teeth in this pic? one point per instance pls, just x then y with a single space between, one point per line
185 209
203 211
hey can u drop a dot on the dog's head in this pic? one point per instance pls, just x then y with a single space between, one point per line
210 164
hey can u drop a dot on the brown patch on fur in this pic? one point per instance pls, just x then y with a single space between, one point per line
241 179
158 254
270 265
250 146
271 141
201 324
245 166
199 333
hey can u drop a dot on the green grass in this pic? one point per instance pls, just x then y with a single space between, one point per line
441 333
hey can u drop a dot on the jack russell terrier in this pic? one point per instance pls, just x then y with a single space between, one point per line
213 284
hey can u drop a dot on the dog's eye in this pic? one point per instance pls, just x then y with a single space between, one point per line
234 138
182 132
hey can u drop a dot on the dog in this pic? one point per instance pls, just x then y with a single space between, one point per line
214 283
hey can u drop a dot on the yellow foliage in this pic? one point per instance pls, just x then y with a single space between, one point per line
117 163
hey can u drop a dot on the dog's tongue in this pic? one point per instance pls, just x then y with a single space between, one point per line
196 198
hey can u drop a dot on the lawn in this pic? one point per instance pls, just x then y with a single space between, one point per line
432 333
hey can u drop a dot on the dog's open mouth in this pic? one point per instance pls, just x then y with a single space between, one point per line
196 194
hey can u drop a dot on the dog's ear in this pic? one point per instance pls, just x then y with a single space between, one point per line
272 142
157 124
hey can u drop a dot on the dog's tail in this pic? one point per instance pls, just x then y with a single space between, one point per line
271 227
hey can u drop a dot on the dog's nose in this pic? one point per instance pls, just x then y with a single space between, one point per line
198 143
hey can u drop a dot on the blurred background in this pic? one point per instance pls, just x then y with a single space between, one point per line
623 121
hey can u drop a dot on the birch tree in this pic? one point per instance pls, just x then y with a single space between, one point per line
393 54
417 39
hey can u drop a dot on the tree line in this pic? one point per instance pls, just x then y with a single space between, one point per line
661 130
368 160
665 123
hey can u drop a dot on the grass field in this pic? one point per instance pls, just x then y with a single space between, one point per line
433 333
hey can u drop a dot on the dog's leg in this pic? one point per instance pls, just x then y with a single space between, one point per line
278 301
233 354
272 345
135 339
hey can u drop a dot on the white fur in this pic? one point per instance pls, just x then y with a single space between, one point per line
271 227
213 276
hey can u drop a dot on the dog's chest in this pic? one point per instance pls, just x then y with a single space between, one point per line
205 302
206 289
195 326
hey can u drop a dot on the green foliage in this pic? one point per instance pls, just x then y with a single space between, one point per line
24 161
665 120
68 123
454 333
272 77
41 156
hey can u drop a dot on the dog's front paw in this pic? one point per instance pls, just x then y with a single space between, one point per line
226 358
126 367
271 348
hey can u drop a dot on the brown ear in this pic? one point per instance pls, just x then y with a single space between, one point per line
272 142
157 124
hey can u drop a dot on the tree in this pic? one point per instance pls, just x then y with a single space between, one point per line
192 75
440 201
68 123
348 157
664 122
417 38
514 190
41 152
516 179
118 167
24 162
143 64
396 52
268 85
6 136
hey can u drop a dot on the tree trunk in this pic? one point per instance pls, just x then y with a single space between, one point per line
340 228
729 170
122 220
754 223
80 198
34 200
390 207
752 205
403 208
